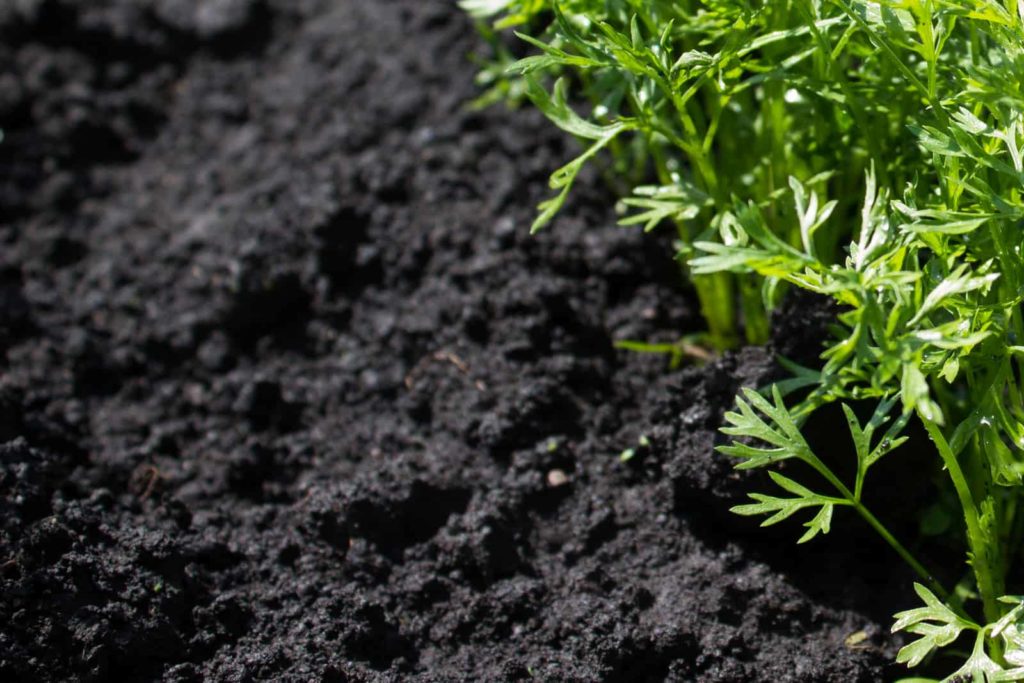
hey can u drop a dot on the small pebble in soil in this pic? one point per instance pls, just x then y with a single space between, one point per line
557 478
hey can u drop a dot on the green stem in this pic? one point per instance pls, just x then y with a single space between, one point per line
714 292
755 317
976 539
932 583
926 576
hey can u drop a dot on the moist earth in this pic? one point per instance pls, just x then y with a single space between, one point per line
289 393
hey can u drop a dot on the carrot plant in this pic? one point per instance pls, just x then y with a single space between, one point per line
866 151
700 104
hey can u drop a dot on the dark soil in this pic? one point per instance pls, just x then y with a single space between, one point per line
289 393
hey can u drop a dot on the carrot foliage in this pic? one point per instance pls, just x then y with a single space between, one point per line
869 152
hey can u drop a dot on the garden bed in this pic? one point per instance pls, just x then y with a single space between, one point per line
291 394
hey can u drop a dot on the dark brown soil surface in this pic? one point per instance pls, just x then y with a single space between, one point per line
288 392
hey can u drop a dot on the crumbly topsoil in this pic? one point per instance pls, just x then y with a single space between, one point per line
288 392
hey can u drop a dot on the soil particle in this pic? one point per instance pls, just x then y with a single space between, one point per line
289 393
